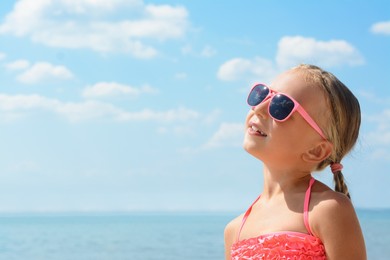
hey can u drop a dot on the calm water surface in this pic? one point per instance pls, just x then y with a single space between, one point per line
142 236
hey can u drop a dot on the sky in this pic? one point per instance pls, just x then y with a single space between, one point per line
133 105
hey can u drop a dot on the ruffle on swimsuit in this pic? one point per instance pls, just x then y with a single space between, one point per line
280 245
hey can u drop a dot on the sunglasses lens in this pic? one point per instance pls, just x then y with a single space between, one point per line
280 107
257 95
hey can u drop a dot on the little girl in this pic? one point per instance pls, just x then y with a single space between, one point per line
304 121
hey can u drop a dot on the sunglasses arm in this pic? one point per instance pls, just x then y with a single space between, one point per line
310 121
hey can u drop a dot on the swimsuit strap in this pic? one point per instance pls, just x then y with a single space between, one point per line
305 210
306 206
246 216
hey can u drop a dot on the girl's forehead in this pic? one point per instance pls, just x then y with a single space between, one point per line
289 82
294 84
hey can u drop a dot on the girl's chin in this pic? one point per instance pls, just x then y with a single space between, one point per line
252 148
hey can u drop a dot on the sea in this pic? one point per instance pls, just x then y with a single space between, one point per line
142 236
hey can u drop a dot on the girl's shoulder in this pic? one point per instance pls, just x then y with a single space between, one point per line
329 208
324 198
232 228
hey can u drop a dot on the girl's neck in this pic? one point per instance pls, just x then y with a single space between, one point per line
283 182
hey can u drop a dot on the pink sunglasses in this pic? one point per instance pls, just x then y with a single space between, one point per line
281 106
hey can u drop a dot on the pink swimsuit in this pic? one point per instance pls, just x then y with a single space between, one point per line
281 245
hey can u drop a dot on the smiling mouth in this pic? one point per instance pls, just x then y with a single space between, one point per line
257 130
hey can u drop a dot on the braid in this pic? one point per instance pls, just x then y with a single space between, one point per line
339 183
343 119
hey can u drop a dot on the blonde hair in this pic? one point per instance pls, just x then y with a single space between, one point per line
342 120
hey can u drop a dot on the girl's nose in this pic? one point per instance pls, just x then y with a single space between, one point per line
261 109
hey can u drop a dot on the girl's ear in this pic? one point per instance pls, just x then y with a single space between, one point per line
318 153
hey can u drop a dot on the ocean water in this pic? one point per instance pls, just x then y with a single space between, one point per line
158 236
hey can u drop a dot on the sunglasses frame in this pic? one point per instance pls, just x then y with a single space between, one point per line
297 107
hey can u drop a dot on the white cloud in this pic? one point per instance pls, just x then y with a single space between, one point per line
90 24
26 102
17 106
85 6
180 130
212 116
381 134
228 134
208 51
186 49
381 28
373 99
44 71
380 154
88 110
250 69
114 89
17 65
2 56
24 166
375 134
181 75
293 50
179 114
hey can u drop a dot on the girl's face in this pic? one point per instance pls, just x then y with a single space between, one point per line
283 143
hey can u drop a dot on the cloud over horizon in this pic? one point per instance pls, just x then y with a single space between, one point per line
14 107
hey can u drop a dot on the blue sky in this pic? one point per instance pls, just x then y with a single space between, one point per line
139 105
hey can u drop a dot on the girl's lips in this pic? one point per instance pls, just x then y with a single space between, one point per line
254 129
